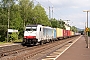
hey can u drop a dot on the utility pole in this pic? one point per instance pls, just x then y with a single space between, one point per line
8 18
87 28
52 12
8 13
49 13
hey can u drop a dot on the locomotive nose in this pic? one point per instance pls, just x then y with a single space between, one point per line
30 37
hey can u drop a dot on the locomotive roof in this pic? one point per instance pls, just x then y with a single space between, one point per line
37 25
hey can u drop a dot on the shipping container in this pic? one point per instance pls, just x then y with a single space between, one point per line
71 33
48 33
65 33
68 33
59 32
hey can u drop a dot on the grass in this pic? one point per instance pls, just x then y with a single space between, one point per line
16 41
20 40
2 43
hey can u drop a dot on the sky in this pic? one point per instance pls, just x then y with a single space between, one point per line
68 10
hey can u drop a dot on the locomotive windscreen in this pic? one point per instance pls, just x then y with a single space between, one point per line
31 28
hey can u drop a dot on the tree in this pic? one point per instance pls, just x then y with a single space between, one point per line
54 23
26 9
9 6
3 30
74 29
40 16
16 21
3 20
61 24
57 23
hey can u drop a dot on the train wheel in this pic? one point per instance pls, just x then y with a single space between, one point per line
23 44
41 43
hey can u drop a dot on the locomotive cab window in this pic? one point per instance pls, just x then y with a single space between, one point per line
31 29
28 29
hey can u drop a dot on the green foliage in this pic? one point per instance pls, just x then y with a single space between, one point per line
40 16
17 41
26 11
3 32
57 23
13 36
53 23
74 29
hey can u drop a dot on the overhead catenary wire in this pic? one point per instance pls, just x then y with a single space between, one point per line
55 8
48 8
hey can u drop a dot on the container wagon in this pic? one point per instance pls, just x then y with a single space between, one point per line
65 33
59 33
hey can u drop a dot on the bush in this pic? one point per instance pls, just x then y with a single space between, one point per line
3 32
13 36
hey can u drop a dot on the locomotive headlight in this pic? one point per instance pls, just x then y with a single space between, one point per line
25 36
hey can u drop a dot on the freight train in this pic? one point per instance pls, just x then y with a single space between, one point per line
39 34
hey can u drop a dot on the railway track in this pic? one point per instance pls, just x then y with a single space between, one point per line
8 50
36 52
